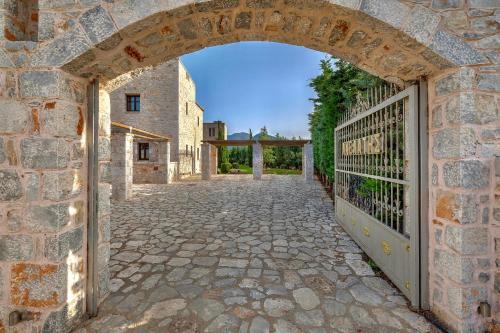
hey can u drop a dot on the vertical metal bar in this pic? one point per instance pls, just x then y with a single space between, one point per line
92 195
424 195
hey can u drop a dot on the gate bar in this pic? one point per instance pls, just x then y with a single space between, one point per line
424 193
92 195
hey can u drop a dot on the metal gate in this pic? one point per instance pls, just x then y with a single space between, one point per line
377 182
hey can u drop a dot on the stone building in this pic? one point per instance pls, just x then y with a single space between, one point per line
49 265
211 130
161 100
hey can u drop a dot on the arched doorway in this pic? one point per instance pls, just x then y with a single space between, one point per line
398 41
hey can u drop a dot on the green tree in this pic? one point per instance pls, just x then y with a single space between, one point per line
250 150
336 88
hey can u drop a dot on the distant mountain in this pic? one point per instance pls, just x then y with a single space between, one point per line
238 136
245 136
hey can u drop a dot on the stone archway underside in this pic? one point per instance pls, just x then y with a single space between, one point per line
130 36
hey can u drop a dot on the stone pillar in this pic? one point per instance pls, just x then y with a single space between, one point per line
258 161
205 161
122 158
214 158
164 158
464 228
308 162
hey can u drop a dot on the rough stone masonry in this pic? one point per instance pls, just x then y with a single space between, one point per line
50 49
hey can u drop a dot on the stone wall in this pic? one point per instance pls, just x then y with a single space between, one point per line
43 171
166 90
190 125
464 228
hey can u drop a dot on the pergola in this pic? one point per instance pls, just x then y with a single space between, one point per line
122 156
209 155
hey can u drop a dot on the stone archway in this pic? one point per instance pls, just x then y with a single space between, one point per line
42 150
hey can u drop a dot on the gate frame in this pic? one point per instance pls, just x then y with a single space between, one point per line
418 175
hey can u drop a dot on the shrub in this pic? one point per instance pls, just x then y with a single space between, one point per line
225 167
236 165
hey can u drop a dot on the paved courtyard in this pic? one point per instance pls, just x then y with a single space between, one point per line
237 255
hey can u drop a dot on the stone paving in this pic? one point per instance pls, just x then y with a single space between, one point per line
237 255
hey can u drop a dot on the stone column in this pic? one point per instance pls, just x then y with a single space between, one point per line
308 162
205 161
464 228
164 159
258 161
122 158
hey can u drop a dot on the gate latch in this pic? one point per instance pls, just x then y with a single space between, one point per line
18 316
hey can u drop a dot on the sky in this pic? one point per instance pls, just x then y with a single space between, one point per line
256 84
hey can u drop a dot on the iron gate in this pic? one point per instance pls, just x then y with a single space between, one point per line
377 182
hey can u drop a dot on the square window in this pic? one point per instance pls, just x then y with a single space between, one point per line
143 151
133 103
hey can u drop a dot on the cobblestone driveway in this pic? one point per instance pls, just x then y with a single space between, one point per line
236 255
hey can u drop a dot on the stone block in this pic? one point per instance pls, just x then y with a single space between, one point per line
15 117
105 172
15 219
457 268
48 218
458 208
468 241
243 20
187 28
469 174
435 174
470 108
16 247
38 153
422 24
216 5
61 321
46 24
103 255
62 119
104 278
39 84
463 79
447 4
463 302
437 116
62 185
10 185
104 203
60 246
391 11
104 149
489 82
483 3
2 151
61 50
38 285
5 61
453 143
105 229
97 24
455 49
56 4
32 186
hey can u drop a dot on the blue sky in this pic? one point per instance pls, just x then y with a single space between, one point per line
252 84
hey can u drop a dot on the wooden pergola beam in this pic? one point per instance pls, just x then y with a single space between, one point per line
234 143
141 133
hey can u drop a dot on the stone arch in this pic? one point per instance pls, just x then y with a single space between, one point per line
387 38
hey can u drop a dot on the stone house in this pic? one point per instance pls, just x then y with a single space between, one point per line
211 130
161 100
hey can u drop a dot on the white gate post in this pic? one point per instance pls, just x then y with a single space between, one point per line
122 163
308 162
164 158
206 161
258 161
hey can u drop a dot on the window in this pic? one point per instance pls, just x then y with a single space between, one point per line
198 153
143 151
187 150
198 121
186 108
133 103
211 131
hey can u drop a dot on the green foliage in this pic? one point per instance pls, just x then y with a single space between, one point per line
336 88
236 165
225 167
